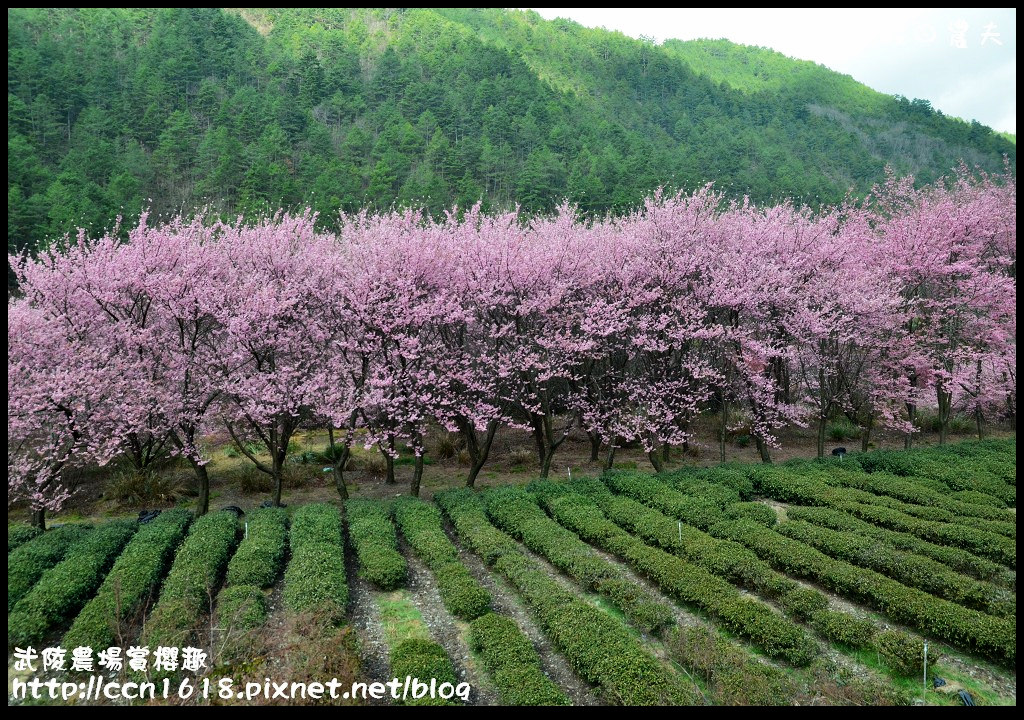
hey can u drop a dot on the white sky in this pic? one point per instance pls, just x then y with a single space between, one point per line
900 52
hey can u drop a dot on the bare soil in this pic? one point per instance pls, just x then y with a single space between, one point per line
512 462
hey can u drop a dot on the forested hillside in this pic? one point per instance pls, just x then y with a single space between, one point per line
249 111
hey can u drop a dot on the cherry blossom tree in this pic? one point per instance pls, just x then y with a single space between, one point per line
952 253
269 306
626 328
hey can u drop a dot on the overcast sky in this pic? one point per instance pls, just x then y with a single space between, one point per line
962 60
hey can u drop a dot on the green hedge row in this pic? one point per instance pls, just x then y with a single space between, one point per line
317 523
373 535
420 523
65 588
687 582
734 562
197 570
28 563
598 646
756 511
315 579
18 535
954 558
994 547
511 660
920 497
973 497
948 621
787 485
902 653
424 660
844 628
131 582
515 512
731 674
261 553
241 608
918 492
907 568
733 476
989 467
241 605
725 559
697 510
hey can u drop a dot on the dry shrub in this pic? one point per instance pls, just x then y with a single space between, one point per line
373 464
447 446
249 480
296 476
521 457
301 648
134 487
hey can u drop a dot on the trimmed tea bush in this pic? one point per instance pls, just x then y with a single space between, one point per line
65 588
131 582
963 627
260 555
686 582
241 608
315 579
512 662
28 563
953 558
597 645
18 535
376 545
517 514
196 572
902 653
907 568
420 523
425 660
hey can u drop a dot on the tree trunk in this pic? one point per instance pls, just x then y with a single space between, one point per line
610 457
544 435
537 423
821 436
389 462
339 473
339 462
823 414
545 467
278 477
203 501
417 476
478 451
908 440
595 446
977 419
865 438
655 460
39 519
666 452
945 408
723 432
763 450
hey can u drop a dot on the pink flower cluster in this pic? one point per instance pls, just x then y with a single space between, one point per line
627 328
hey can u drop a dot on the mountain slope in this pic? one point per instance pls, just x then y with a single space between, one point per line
253 110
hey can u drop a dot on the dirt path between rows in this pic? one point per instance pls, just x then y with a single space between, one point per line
364 618
447 631
506 602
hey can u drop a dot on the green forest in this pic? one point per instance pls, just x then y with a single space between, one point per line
110 111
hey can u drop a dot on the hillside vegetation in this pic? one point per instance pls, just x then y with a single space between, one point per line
247 111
